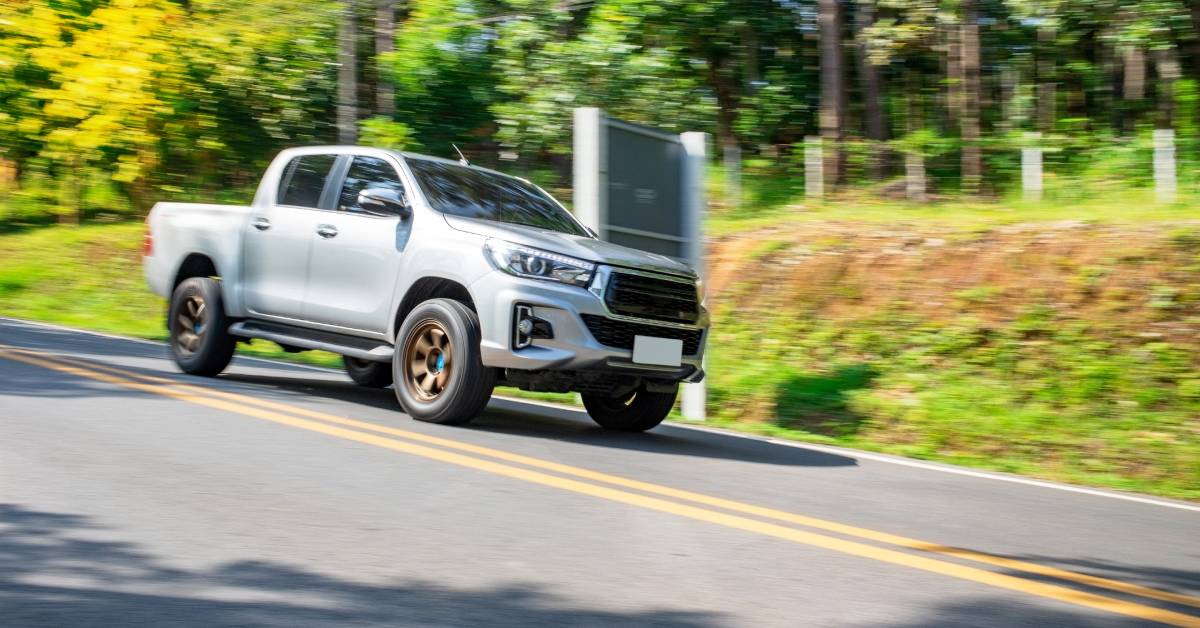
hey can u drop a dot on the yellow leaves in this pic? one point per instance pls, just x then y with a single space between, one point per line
29 126
106 74
128 169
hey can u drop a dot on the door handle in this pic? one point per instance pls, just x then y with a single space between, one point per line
326 231
262 224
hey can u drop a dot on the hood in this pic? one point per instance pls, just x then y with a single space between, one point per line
584 248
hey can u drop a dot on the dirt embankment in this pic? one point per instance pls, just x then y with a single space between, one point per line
1142 281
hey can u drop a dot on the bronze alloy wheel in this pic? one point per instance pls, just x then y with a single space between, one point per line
428 357
193 323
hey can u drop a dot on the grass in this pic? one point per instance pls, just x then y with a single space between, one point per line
1126 207
769 197
1066 352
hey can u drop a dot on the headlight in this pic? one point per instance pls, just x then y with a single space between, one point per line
523 261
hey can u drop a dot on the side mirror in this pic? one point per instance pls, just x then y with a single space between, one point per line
385 201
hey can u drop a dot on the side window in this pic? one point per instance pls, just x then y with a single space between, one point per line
367 173
303 180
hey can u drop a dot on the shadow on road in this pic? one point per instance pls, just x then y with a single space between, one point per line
997 611
285 383
523 418
54 572
1186 582
511 416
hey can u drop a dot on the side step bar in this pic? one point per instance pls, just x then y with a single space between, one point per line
353 346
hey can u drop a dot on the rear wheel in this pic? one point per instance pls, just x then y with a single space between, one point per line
437 368
199 330
637 411
368 372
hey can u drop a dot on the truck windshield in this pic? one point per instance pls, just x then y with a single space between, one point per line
462 191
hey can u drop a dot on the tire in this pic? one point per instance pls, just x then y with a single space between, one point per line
636 412
437 369
368 372
198 328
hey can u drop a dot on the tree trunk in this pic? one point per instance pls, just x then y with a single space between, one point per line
1194 5
1046 70
972 161
347 89
727 100
385 42
1135 73
873 126
952 36
832 88
1167 64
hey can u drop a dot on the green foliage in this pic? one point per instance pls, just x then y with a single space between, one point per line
109 105
384 133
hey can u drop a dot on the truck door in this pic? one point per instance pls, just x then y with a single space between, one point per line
279 236
357 252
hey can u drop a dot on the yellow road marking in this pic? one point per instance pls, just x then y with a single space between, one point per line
974 574
699 498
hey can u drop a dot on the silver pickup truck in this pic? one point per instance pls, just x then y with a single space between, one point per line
443 278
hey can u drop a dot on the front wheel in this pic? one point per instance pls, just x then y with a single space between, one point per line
437 368
637 411
367 372
199 330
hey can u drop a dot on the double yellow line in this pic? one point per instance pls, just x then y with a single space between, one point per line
697 506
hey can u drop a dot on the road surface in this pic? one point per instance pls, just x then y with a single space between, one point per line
280 495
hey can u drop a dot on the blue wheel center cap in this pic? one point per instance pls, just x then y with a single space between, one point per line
441 362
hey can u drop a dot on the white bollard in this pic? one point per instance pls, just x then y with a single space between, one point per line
1031 168
814 168
1164 165
914 177
693 404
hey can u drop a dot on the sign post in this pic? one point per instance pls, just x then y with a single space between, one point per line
643 188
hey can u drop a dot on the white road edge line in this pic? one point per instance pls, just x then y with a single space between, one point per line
851 453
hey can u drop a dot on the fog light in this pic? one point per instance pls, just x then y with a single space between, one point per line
527 327
523 330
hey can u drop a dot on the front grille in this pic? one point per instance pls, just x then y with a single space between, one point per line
619 334
654 298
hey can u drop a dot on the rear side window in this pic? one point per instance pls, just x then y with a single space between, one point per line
367 173
303 180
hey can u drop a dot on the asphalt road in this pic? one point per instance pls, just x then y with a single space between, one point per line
279 495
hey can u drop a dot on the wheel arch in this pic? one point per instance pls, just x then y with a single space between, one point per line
426 288
194 265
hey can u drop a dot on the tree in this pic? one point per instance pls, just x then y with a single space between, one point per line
385 42
347 57
972 159
833 96
874 128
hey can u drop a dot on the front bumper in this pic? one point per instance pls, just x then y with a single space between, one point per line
573 347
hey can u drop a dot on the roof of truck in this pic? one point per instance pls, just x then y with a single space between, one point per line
347 148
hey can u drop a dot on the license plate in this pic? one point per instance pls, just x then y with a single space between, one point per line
657 351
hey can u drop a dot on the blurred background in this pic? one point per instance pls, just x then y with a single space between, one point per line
961 230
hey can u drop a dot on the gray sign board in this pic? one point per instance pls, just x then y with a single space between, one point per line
639 186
